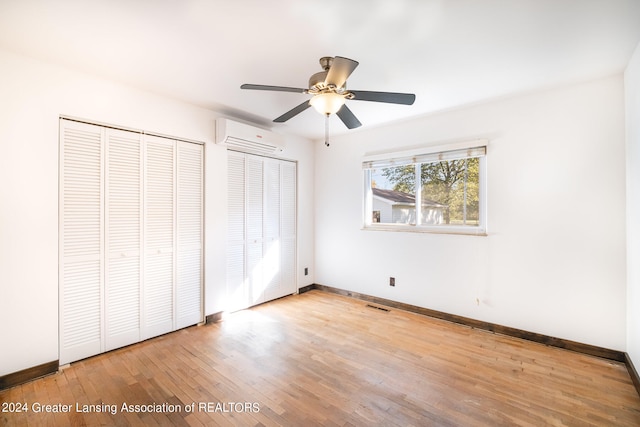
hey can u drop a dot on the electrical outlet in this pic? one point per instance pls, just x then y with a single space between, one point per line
306 271
392 281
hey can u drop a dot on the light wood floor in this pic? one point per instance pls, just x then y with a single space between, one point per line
323 359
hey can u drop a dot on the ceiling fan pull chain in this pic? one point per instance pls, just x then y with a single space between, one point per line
326 130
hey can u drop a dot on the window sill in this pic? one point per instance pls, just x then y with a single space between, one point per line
469 231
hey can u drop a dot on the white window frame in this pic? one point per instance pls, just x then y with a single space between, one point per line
424 155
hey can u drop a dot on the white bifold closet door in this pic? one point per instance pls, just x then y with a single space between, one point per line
123 237
159 237
255 226
81 241
130 238
261 259
237 287
287 279
189 304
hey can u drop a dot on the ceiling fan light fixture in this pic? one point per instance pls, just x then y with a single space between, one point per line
327 103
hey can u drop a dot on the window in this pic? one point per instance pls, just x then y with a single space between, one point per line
434 191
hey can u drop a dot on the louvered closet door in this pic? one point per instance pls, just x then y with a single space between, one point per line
271 256
81 241
261 254
280 229
237 289
287 283
123 238
189 269
159 237
131 242
254 218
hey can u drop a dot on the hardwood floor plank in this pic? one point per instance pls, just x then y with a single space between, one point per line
326 359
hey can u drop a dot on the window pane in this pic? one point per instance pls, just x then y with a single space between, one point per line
393 195
450 192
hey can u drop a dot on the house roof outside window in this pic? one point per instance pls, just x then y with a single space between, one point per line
401 198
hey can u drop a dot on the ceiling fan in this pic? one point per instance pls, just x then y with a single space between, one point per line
329 90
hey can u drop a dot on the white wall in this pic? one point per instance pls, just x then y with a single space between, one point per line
632 98
33 95
554 259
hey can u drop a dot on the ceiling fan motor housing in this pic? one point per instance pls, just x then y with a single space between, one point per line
316 81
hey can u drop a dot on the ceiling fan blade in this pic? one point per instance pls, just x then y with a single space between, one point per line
341 69
390 97
293 112
273 88
348 118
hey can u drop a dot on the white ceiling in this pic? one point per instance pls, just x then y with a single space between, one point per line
448 52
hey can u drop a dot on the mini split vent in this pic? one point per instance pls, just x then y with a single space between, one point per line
249 139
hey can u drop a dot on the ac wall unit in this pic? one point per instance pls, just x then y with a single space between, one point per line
246 138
